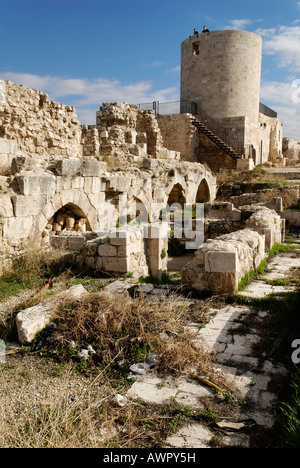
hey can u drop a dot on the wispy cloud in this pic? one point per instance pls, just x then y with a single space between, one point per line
174 70
281 95
238 24
155 64
88 95
284 44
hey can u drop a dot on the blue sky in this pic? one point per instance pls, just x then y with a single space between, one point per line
87 52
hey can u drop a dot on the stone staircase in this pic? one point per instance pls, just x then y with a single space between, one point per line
234 153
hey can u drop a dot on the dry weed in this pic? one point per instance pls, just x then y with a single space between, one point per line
131 329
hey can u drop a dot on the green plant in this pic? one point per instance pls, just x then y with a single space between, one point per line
278 248
288 416
163 254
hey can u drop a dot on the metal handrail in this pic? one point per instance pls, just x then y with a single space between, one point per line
215 127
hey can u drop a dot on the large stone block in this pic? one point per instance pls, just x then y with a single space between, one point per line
221 262
115 265
16 229
68 167
36 184
31 321
93 168
28 205
107 250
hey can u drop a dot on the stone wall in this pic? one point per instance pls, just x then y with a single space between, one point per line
40 127
179 134
289 195
221 263
138 250
291 151
90 140
90 194
126 130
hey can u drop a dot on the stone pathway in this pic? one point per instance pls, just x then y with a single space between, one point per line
257 386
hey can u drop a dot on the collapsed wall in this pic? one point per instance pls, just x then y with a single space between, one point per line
32 124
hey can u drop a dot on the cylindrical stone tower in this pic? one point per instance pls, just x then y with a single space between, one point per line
221 71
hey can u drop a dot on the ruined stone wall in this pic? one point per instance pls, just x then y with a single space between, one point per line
291 151
138 250
90 140
40 127
221 263
29 208
125 130
179 134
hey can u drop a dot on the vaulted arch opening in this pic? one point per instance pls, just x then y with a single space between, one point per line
203 193
68 221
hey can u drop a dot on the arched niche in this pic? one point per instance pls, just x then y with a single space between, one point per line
203 193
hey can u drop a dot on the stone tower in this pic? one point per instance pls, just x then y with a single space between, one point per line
221 72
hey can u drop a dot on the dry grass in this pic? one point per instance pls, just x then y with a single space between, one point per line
258 175
43 415
130 329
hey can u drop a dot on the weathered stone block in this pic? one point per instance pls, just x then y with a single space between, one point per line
221 262
115 265
75 242
6 207
68 167
30 321
107 250
33 184
28 205
16 229
93 168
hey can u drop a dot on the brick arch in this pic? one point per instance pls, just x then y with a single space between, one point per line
78 200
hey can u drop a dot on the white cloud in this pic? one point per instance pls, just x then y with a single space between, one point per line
238 24
88 95
284 44
281 96
175 69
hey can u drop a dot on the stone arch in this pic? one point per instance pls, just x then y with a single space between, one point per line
138 210
70 217
203 192
176 196
80 204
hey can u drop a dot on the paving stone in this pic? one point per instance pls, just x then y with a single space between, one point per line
192 436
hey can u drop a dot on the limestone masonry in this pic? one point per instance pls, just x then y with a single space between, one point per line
102 192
